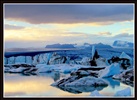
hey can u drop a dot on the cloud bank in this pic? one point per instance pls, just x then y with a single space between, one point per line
37 14
13 27
122 35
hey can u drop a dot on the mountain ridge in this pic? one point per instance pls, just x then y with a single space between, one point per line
125 44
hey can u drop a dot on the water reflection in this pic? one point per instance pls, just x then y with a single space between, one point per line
113 83
15 93
54 75
81 89
40 85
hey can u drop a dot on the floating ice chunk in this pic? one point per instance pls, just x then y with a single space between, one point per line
117 76
74 81
84 73
125 92
88 81
64 68
124 55
44 68
95 93
85 61
126 76
17 70
110 70
101 62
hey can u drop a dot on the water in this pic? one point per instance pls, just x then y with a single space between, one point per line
17 85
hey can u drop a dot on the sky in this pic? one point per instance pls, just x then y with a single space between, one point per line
37 25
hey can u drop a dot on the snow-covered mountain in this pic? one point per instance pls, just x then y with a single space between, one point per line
101 45
98 45
60 46
124 44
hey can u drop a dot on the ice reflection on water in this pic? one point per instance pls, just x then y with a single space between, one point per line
39 85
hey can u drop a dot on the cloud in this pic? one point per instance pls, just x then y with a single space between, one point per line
79 13
127 30
40 37
105 33
123 35
13 27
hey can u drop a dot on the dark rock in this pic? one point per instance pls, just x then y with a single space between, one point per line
96 56
22 65
88 72
93 60
131 78
125 63
93 68
93 63
64 59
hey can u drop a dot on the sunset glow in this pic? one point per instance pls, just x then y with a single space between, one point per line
34 25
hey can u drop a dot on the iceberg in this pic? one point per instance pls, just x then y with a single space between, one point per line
75 81
95 93
101 62
42 68
88 81
85 61
126 77
19 68
110 70
124 92
75 84
124 55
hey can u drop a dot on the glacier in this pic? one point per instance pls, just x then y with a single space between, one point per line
83 77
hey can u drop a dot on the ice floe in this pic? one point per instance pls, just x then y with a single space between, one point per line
124 92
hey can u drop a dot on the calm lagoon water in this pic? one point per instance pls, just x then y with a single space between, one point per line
17 85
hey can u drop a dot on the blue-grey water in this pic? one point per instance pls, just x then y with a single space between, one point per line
17 85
